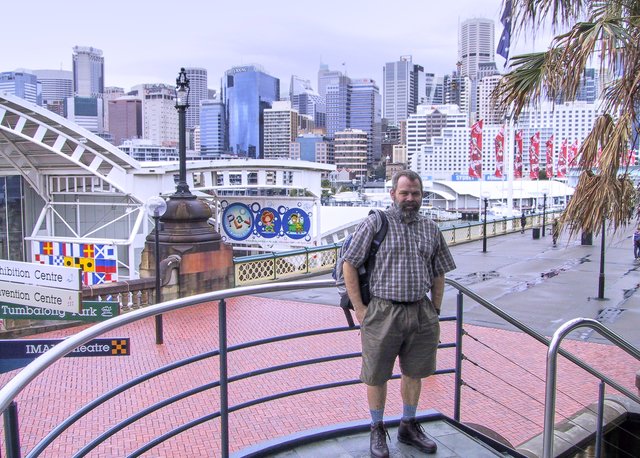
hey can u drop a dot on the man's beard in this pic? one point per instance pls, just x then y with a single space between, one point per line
409 210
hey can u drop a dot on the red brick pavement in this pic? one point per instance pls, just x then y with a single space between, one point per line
501 394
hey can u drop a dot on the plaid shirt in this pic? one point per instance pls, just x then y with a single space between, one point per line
410 256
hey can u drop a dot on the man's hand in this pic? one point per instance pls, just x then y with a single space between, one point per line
360 313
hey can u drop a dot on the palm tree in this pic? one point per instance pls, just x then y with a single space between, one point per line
606 32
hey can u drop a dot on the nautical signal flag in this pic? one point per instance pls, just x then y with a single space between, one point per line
98 262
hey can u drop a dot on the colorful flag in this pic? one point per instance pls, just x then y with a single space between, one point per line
562 160
475 151
517 163
549 158
573 153
505 38
534 156
499 145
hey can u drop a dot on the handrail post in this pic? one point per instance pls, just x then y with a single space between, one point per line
11 431
224 387
459 331
599 431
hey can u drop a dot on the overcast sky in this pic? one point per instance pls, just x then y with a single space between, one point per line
148 42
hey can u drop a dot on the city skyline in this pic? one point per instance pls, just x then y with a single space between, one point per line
149 45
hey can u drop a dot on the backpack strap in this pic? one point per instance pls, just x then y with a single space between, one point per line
381 234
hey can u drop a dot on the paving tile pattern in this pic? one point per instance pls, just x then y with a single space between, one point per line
505 389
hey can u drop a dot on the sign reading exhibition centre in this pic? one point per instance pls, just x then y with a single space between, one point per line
37 285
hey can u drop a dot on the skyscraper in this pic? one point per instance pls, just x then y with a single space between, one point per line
403 85
159 115
280 130
365 114
21 84
125 118
476 44
247 91
197 92
57 85
212 128
88 71
306 101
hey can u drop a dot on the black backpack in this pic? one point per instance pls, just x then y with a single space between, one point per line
364 272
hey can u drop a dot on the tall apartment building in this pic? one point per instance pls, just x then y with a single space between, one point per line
476 44
22 84
247 91
212 128
88 71
56 85
197 91
125 118
351 152
366 115
280 130
403 87
159 114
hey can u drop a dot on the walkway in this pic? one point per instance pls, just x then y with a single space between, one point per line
538 283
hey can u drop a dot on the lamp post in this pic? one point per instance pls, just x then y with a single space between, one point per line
601 276
484 225
156 206
182 103
544 211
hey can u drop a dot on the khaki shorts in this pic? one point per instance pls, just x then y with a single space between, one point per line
408 331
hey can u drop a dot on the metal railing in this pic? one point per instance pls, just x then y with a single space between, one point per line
550 388
257 269
23 378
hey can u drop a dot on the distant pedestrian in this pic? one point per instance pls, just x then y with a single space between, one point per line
523 222
555 230
636 243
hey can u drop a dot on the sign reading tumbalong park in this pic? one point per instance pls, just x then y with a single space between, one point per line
16 353
91 311
37 285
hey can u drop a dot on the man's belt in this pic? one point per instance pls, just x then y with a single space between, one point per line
407 303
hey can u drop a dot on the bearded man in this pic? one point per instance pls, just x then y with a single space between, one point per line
400 321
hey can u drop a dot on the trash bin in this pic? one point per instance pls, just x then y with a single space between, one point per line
536 233
587 238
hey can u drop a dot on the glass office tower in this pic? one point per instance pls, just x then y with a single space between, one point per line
247 91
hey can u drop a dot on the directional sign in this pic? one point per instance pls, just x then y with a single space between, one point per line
40 296
16 353
28 273
91 311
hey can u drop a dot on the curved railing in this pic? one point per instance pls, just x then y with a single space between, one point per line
22 379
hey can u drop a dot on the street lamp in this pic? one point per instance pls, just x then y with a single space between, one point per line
182 103
484 224
156 206
544 211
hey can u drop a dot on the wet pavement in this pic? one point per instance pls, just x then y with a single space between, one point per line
541 285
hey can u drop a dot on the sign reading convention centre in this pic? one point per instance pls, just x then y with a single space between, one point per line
52 287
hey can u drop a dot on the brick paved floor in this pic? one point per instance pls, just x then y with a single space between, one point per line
505 389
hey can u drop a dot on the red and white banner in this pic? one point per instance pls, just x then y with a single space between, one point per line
630 159
573 153
475 151
499 146
517 163
549 158
562 160
534 156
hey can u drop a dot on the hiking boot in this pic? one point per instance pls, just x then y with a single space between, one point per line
411 433
378 447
